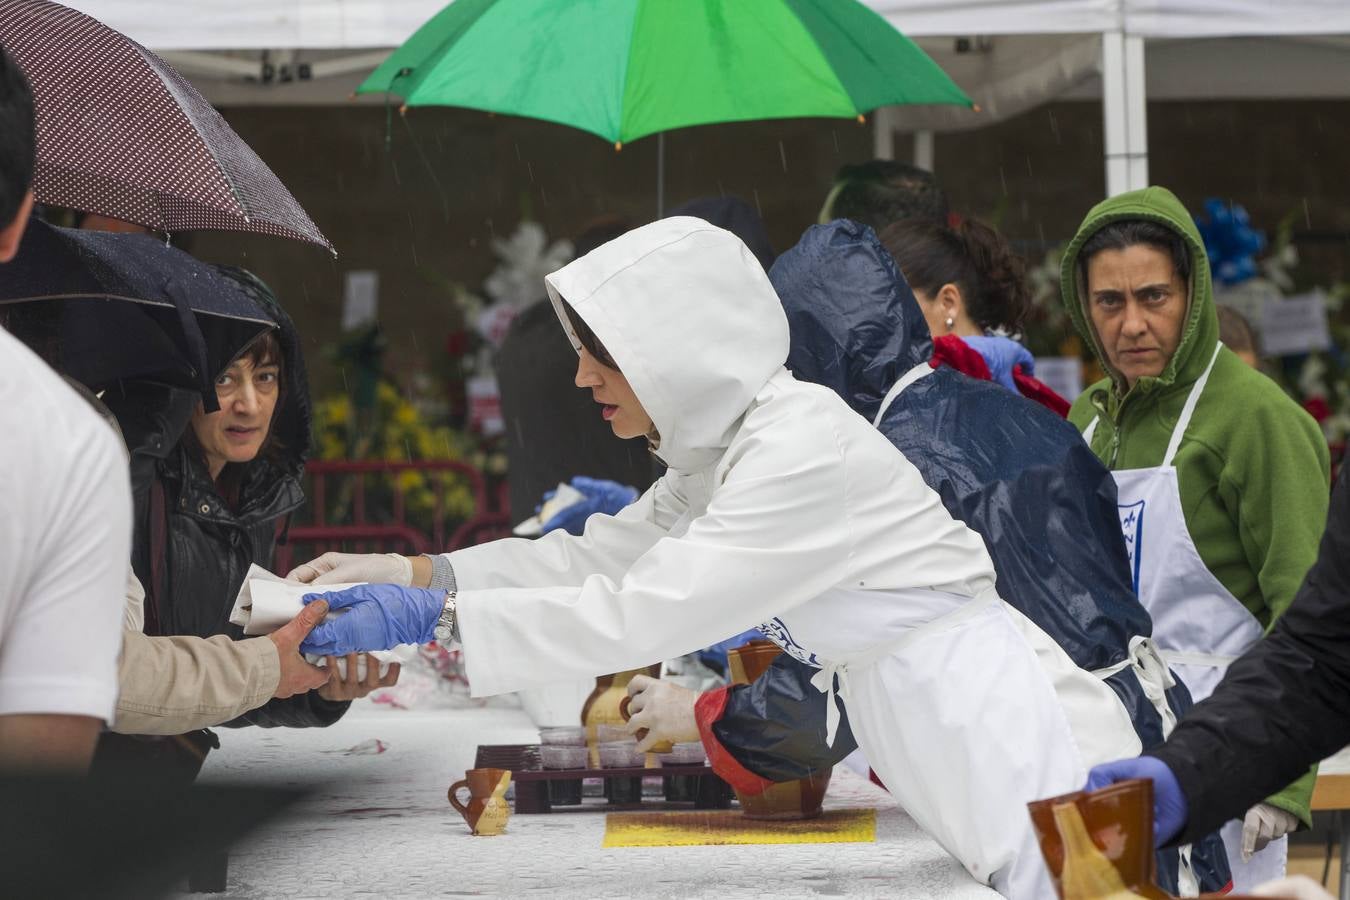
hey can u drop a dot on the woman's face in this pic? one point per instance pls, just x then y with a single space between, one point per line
1137 303
236 432
619 405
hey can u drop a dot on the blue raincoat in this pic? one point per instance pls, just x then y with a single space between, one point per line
1010 469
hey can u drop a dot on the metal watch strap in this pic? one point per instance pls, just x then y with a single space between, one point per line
447 626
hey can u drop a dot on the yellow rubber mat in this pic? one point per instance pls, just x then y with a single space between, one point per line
688 829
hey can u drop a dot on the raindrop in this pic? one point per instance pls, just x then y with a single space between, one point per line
343 370
1003 181
518 156
1307 214
1054 127
529 168
835 135
782 155
758 208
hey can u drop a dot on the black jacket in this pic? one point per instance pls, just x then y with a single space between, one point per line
1284 705
191 549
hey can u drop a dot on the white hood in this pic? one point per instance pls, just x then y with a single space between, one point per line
658 299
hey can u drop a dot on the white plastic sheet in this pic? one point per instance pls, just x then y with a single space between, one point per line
260 24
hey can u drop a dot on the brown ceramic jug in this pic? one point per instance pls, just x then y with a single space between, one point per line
486 811
602 706
799 799
1118 822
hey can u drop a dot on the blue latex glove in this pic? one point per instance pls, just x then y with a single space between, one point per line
378 617
1169 803
1000 355
602 496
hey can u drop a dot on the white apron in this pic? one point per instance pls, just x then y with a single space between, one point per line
1199 625
965 709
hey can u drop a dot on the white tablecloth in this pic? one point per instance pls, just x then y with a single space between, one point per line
382 828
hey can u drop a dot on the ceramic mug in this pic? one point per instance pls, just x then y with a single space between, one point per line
487 811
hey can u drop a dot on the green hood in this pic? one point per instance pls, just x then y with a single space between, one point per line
1201 332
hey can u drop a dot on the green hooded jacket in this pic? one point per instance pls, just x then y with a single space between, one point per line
1252 469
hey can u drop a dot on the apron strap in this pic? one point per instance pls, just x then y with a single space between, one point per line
1147 661
1212 660
1091 430
913 375
1186 411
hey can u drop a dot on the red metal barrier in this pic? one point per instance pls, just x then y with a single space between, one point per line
381 525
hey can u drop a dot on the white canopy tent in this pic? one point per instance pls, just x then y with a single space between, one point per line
1009 55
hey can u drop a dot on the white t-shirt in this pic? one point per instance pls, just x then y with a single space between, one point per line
65 538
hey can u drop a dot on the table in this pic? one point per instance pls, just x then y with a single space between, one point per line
383 828
1332 794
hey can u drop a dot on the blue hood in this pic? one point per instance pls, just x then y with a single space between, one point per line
855 325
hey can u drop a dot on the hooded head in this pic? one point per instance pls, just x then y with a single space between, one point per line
689 317
855 325
1199 325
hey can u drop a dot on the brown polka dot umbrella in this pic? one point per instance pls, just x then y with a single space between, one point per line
121 133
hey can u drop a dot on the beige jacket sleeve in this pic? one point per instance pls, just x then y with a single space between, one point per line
169 685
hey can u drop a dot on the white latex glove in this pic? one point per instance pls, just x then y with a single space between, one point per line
355 568
666 710
1297 887
1263 824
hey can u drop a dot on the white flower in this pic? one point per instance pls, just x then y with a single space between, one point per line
525 258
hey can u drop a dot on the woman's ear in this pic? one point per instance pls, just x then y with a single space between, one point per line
951 303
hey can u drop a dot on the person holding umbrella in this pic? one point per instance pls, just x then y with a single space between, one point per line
211 491
779 507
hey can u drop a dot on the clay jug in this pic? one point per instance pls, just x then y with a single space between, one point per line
799 799
487 811
1119 823
602 706
1086 874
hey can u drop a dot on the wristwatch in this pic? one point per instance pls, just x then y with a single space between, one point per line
447 628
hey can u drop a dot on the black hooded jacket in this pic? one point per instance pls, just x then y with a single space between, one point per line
1284 705
191 549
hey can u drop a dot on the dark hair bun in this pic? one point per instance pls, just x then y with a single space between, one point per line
1002 296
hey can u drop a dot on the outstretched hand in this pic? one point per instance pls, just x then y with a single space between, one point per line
376 617
1170 810
601 496
298 676
665 709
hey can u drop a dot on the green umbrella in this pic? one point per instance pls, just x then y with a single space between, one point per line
624 69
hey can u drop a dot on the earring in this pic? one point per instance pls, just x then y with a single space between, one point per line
950 322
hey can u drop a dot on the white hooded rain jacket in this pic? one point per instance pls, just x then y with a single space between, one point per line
784 509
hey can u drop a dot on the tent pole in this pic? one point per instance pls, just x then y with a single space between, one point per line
883 133
661 175
1136 98
1115 122
1124 112
923 149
